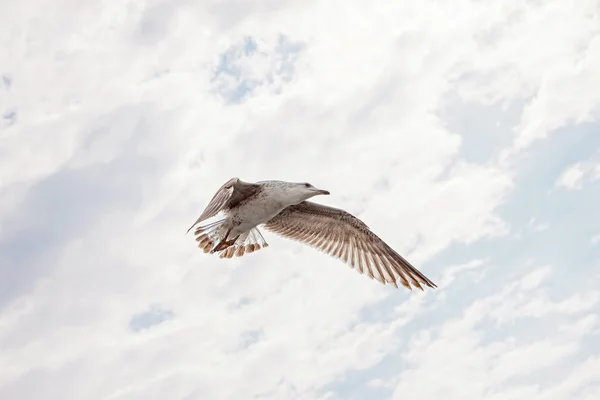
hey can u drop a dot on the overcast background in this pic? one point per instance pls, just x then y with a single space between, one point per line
464 133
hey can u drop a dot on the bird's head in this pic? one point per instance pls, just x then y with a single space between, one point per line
298 192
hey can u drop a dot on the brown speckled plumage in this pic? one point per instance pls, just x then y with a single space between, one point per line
341 235
283 209
232 194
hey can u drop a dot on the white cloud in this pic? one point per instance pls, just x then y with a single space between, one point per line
119 123
463 358
538 227
577 174
571 178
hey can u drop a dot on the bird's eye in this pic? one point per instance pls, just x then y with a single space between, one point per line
307 185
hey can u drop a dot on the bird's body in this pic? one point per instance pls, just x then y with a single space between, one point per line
282 208
268 201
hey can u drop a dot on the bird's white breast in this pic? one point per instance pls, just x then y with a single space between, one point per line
257 211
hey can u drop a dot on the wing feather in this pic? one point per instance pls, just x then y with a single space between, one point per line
341 235
231 193
218 201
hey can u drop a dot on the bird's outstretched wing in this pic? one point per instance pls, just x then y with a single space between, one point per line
232 191
341 235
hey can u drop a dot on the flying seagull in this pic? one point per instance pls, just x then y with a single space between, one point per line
281 207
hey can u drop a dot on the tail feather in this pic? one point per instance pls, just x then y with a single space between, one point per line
248 242
208 236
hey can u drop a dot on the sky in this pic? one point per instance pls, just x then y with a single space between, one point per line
466 134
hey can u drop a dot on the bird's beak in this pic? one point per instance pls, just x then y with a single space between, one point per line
320 191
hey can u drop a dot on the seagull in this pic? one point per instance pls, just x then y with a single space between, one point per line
282 208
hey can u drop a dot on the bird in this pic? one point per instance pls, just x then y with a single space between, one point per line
283 208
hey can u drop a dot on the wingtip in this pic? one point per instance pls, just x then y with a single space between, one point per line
405 284
190 228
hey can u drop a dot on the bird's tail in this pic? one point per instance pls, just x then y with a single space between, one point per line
248 242
209 235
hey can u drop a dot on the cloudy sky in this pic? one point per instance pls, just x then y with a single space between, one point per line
466 134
